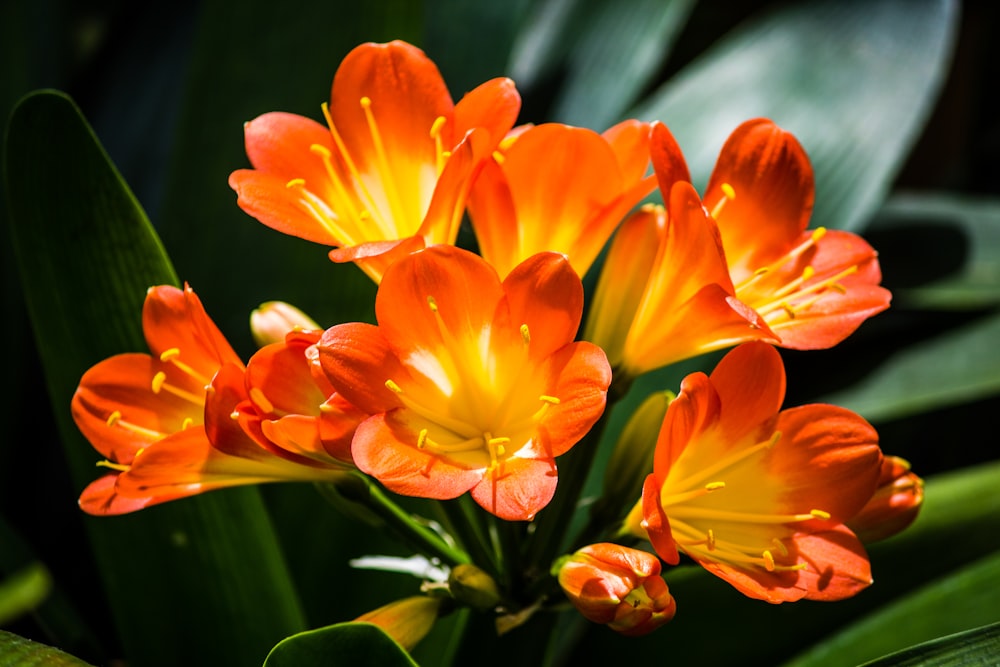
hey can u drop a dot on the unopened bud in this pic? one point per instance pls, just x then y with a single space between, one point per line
471 586
407 621
272 320
617 586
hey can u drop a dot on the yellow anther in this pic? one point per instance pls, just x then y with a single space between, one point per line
780 545
186 423
762 270
432 302
445 154
728 191
295 183
437 125
525 334
113 418
710 541
768 561
393 387
172 353
114 466
421 438
837 287
158 381
499 157
365 215
507 142
234 415
788 311
138 452
715 486
258 397
321 150
808 272
820 514
818 233
549 399
366 103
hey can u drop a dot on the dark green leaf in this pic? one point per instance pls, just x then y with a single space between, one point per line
969 595
349 644
17 651
972 648
23 591
207 569
854 81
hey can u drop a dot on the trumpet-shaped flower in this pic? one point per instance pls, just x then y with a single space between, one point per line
169 426
617 586
757 496
390 170
473 384
561 189
813 288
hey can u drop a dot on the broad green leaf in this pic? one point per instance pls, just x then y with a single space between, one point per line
23 591
854 81
959 523
969 595
615 56
348 644
916 377
17 651
207 569
963 649
941 250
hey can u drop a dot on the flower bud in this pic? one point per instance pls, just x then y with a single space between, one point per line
632 459
617 586
407 621
471 586
274 319
894 505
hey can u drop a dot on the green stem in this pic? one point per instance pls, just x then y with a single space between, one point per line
466 525
364 491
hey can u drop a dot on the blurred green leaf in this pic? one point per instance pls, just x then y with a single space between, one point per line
23 591
959 523
17 651
916 378
854 81
969 595
207 569
964 649
941 250
354 644
614 57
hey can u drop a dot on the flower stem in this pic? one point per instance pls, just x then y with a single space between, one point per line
360 489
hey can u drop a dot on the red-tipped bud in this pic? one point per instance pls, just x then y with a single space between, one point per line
617 586
274 319
894 505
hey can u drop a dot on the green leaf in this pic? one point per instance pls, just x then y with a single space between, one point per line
17 651
914 379
854 81
940 250
615 55
207 569
964 649
23 591
353 644
968 594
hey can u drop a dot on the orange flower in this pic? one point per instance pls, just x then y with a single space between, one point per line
391 169
561 189
894 506
473 384
757 496
617 586
165 421
813 288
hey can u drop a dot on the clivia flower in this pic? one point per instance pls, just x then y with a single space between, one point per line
558 188
895 504
617 586
186 418
760 496
472 384
706 273
390 170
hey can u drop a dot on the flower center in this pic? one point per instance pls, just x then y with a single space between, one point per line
710 530
353 213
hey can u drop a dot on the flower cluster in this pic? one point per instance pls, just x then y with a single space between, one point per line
475 384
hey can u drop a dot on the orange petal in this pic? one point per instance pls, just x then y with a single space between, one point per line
493 105
546 295
750 382
668 159
269 199
101 498
773 183
357 361
173 318
518 489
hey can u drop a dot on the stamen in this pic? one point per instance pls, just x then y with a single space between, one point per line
768 561
172 356
432 303
296 183
820 514
159 384
120 467
115 419
439 151
728 194
525 334
781 546
714 486
382 163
